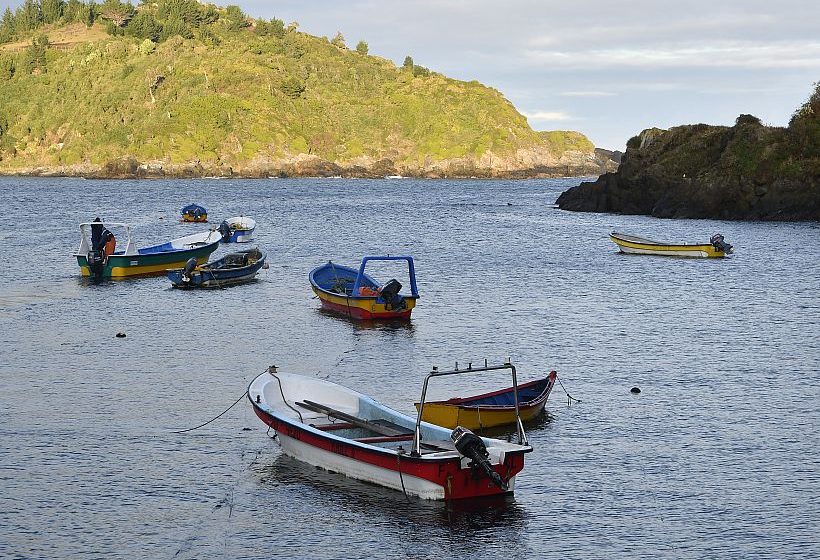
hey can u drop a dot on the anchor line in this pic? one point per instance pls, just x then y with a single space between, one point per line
570 398
214 418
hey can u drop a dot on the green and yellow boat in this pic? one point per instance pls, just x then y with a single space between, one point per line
99 257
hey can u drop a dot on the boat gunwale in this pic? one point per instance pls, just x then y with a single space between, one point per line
464 402
452 455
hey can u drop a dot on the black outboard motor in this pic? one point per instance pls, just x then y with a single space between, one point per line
390 294
225 231
717 241
472 447
190 265
96 256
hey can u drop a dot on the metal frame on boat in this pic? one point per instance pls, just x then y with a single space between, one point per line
354 293
99 262
633 244
341 430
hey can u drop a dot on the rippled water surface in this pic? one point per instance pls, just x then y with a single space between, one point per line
716 458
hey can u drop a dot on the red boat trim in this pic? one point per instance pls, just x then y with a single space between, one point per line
457 483
359 313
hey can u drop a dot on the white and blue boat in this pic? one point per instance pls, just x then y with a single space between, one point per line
234 268
238 229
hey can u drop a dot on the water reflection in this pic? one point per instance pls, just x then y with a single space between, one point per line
478 525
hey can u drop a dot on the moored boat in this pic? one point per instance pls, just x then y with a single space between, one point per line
493 409
633 244
194 213
344 431
234 268
98 256
354 293
238 229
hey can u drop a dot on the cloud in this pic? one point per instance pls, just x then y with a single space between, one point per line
548 116
737 54
587 94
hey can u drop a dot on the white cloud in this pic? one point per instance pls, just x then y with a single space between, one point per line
548 116
587 94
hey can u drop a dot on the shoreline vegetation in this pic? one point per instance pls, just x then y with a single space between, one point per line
748 171
181 89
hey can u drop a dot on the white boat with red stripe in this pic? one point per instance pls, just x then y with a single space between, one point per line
341 430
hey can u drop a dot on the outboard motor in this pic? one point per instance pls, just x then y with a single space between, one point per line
188 271
717 241
390 293
472 447
225 231
96 257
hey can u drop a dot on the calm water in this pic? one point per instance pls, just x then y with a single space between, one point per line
716 458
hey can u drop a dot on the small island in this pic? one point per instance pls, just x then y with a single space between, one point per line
745 172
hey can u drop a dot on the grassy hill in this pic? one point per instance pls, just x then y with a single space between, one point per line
252 97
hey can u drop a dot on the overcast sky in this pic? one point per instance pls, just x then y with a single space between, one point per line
607 69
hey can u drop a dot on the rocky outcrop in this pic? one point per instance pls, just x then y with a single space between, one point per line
745 172
525 163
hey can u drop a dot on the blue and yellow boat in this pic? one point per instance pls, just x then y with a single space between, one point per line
194 213
354 293
99 257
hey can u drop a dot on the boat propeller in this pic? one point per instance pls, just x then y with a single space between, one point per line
188 271
717 241
472 447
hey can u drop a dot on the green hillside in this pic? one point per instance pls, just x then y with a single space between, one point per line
220 89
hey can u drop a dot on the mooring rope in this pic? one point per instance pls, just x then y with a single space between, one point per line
212 419
244 393
570 398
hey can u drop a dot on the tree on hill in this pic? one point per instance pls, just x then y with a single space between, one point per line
117 12
236 18
408 63
361 47
52 10
28 16
7 26
339 41
144 26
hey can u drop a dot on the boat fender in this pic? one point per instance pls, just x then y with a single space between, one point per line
635 390
472 447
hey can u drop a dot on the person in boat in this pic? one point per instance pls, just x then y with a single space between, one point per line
102 239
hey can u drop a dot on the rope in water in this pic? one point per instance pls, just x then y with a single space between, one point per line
244 393
570 398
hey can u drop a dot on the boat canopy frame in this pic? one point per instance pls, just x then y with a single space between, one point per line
411 268
522 436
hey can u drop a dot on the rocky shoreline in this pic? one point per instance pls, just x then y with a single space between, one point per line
745 172
524 165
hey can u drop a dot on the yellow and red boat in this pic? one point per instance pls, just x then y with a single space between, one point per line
633 244
194 213
354 293
493 409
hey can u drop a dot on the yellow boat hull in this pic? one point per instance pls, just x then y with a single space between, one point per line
646 247
450 416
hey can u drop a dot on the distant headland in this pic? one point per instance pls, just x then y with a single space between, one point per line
183 89
745 172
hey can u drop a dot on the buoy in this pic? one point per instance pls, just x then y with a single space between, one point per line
120 335
634 390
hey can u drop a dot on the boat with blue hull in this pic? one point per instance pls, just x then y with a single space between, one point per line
99 258
238 229
354 293
234 268
194 213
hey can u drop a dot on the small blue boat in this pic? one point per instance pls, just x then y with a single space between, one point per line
238 229
194 213
233 268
